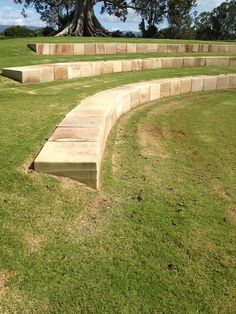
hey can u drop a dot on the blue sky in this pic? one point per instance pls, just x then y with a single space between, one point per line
10 14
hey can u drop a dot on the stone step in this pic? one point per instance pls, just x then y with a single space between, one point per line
124 48
76 147
73 70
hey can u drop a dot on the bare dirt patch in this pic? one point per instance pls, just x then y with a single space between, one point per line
4 277
91 220
34 242
151 142
221 192
172 105
232 211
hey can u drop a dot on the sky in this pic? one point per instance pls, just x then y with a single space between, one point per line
10 14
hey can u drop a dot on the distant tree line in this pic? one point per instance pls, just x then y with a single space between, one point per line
77 18
184 23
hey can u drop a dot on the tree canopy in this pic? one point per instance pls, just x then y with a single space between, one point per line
219 24
77 17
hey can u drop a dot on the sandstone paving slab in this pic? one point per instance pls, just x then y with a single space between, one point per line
73 134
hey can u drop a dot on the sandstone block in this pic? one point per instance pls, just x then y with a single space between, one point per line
155 91
127 66
107 67
79 49
67 49
177 62
165 88
152 48
213 48
232 61
60 72
232 48
85 69
232 80
156 63
44 49
144 93
121 48
223 48
205 48
175 87
111 48
189 61
100 48
141 48
53 49
181 48
172 48
76 160
195 48
211 61
74 70
197 84
199 61
189 48
223 61
135 97
97 68
46 74
123 95
162 48
166 62
117 66
90 49
147 64
82 121
131 48
222 82
185 85
210 83
137 65
75 135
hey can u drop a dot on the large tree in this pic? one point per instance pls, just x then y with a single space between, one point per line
180 17
219 24
79 14
77 17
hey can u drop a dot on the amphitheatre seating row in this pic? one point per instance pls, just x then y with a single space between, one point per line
76 147
124 48
72 70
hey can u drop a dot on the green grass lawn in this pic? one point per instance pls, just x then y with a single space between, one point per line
159 237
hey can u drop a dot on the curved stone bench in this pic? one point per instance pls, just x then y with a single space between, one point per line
75 149
70 49
72 70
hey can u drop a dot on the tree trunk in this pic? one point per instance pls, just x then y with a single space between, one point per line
84 22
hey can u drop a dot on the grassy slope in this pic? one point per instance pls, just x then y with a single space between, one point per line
14 52
65 248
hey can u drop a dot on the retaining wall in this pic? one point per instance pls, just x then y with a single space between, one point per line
75 149
124 48
72 70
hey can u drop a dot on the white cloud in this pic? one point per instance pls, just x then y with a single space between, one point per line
132 18
10 16
208 5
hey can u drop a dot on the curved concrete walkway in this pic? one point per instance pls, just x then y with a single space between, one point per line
75 149
72 70
70 49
